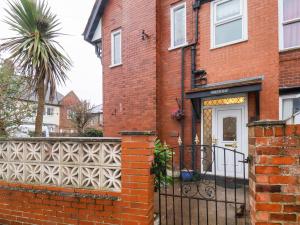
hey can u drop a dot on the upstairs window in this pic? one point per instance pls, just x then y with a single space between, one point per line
70 114
228 22
50 111
116 48
289 15
178 26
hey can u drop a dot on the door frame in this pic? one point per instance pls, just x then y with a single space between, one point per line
244 118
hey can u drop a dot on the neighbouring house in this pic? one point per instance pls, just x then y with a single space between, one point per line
197 68
57 114
51 118
96 121
65 122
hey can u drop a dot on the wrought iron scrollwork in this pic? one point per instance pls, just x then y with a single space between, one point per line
208 184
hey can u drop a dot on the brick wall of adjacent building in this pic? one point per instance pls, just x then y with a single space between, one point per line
274 150
22 204
290 68
69 101
130 89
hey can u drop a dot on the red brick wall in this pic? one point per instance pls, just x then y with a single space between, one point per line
28 204
24 204
130 89
290 68
137 181
141 94
67 102
257 56
274 174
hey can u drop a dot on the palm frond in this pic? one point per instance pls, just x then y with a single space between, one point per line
34 48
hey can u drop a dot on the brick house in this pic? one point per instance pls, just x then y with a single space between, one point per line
67 102
223 63
96 121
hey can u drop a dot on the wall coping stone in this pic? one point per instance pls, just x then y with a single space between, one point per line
60 193
138 133
73 139
267 123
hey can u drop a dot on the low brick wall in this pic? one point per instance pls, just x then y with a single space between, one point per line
25 203
274 150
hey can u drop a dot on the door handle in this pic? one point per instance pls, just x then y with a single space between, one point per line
230 145
233 145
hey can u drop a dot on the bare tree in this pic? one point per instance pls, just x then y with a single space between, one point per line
81 115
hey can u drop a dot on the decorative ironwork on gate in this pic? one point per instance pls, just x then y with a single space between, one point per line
209 190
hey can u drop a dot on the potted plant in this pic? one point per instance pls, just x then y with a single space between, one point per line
178 114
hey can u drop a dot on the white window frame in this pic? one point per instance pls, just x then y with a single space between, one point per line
172 10
69 114
113 33
51 110
281 23
283 97
243 15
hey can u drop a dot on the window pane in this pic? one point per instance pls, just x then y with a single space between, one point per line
291 34
287 108
224 101
291 9
117 48
179 26
296 105
228 9
229 32
229 129
207 139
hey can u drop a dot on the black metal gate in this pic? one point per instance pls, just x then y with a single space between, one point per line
203 185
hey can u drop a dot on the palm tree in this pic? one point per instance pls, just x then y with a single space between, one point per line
35 49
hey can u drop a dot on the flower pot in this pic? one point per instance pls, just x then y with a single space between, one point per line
187 175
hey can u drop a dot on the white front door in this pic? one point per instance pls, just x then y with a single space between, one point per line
225 126
230 134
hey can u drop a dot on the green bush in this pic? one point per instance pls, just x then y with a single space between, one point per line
162 162
92 133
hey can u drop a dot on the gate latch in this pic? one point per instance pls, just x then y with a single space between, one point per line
247 160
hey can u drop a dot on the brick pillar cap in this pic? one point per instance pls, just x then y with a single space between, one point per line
266 123
138 133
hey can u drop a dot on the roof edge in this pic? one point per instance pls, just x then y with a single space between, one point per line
96 14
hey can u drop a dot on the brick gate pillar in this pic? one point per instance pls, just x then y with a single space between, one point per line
274 179
137 182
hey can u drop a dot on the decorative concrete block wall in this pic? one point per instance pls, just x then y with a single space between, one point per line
274 178
77 181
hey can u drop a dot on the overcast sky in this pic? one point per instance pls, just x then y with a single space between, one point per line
85 76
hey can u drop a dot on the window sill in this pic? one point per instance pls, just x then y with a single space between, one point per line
115 65
229 44
289 49
178 46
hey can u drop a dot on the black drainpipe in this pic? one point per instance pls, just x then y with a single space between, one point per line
196 7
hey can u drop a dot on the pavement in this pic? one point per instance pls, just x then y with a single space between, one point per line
203 203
